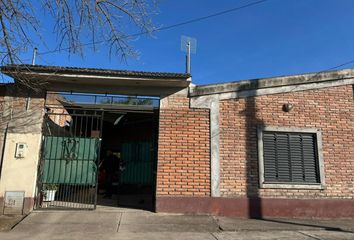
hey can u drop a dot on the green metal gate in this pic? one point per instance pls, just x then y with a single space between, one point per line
68 169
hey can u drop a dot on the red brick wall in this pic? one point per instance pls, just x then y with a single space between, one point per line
329 109
13 101
183 154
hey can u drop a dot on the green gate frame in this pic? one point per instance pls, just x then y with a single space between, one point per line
69 159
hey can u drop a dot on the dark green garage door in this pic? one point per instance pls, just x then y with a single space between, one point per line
138 160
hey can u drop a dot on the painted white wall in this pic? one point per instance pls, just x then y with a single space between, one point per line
20 174
22 119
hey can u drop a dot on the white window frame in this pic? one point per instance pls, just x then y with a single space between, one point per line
262 184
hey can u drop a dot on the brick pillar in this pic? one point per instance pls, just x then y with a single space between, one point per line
184 150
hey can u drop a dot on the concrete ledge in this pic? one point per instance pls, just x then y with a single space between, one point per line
258 207
273 82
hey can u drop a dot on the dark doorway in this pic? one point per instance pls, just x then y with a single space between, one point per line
128 160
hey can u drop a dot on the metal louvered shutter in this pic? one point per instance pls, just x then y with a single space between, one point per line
290 158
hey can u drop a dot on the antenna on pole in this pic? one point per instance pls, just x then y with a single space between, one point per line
188 45
188 60
34 56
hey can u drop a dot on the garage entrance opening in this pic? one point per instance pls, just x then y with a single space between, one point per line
98 150
128 159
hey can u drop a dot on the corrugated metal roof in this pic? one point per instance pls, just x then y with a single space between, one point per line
91 71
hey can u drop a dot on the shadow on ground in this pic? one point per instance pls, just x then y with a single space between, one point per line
7 222
267 224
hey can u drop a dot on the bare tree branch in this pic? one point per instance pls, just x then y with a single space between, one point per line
75 21
109 20
6 38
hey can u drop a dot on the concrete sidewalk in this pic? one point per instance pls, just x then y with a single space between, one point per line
7 222
123 224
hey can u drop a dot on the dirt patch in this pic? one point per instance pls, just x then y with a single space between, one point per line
7 222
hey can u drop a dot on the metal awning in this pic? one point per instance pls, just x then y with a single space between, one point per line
100 80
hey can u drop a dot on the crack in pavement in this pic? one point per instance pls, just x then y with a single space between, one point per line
119 221
311 236
216 220
214 236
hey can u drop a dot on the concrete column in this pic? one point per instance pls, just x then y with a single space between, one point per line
215 149
212 102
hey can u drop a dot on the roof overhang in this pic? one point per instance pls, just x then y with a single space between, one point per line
100 80
110 108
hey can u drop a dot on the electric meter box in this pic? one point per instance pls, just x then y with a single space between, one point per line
21 149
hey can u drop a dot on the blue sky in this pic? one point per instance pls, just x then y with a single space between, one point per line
278 37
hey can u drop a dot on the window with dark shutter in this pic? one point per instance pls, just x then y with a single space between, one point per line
290 158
